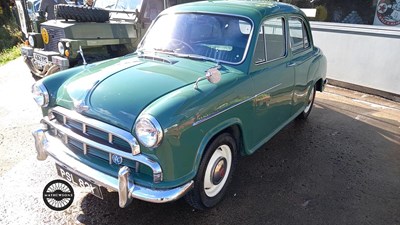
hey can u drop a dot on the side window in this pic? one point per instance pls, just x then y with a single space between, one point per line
274 32
299 39
271 43
259 53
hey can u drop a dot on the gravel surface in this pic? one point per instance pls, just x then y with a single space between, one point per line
339 167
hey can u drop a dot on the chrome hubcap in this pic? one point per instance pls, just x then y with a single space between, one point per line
217 171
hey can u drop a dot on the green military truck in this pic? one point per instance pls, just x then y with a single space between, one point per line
109 29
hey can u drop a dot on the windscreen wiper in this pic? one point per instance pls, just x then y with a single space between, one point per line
165 50
197 57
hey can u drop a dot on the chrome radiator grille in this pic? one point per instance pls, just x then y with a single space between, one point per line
96 140
93 133
80 147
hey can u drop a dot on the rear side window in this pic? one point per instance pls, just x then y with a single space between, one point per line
298 35
271 43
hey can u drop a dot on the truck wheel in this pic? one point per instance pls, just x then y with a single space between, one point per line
215 173
310 101
82 13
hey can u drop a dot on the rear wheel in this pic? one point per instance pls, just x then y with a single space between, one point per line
215 173
310 103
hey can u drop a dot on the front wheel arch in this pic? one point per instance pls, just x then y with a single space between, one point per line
215 172
232 126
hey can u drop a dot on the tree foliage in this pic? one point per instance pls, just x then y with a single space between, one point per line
5 10
10 34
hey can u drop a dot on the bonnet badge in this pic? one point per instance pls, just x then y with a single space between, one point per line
80 106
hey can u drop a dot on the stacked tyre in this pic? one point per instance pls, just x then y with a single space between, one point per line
82 13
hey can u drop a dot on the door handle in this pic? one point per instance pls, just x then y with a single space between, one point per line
291 64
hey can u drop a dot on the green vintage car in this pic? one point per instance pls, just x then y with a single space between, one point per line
210 81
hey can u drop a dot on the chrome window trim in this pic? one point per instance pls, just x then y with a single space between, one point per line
214 114
306 31
265 43
210 13
114 131
265 48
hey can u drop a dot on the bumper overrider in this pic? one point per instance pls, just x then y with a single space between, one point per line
48 145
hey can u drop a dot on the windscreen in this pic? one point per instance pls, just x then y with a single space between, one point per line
219 37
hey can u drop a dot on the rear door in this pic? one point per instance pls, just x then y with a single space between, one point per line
302 56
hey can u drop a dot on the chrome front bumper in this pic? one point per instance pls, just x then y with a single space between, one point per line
48 145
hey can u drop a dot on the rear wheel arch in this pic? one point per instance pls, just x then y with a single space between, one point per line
319 85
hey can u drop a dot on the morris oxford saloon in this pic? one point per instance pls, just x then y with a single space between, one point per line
210 81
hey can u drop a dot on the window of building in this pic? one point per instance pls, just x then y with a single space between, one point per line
345 11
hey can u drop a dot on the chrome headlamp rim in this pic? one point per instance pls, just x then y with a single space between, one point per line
43 93
61 47
31 40
157 127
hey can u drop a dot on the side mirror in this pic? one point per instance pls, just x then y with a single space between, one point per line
213 75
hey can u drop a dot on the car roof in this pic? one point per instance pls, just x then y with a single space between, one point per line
255 10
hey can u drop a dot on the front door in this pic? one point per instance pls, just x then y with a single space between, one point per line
273 80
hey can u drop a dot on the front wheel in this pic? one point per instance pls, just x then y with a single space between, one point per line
310 101
215 173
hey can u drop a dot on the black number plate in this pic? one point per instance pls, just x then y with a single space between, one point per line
79 181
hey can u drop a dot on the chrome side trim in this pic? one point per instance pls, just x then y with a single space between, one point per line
214 114
114 131
127 189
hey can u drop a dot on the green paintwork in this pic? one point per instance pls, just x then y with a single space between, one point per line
258 99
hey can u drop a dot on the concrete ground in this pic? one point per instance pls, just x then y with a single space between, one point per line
342 166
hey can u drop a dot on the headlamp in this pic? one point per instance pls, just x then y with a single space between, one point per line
40 94
148 131
61 48
31 41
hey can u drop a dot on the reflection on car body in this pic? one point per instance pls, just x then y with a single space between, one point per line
209 81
